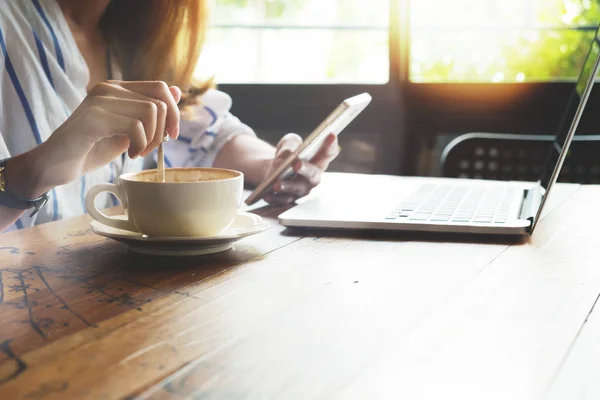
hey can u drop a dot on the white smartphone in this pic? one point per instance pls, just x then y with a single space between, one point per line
334 123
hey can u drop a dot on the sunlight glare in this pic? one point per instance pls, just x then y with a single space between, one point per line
492 40
498 77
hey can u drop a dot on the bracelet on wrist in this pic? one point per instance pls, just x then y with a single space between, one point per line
12 201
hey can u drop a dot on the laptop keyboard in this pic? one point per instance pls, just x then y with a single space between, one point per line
456 203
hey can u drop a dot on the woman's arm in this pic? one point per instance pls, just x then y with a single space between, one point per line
248 154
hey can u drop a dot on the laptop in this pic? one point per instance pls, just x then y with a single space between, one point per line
378 202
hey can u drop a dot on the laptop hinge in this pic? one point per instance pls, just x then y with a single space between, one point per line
532 199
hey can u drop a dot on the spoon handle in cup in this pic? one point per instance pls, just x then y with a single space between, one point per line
160 169
161 163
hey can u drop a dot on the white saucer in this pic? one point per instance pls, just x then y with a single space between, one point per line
245 224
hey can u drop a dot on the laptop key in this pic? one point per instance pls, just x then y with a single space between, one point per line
462 215
458 218
420 217
408 207
485 215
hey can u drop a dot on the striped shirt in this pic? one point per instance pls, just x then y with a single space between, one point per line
44 79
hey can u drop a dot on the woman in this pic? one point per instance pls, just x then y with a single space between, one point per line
89 88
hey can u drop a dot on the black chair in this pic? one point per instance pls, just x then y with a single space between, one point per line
518 157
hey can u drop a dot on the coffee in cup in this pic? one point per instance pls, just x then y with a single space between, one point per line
191 202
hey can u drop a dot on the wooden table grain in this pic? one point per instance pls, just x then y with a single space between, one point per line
307 315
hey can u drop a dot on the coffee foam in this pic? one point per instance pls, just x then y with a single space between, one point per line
183 175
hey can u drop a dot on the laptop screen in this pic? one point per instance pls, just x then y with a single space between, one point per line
572 115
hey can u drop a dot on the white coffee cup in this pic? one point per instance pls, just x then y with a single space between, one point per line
191 202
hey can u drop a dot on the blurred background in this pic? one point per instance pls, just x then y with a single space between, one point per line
436 69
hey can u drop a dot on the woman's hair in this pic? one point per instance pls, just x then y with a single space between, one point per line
159 40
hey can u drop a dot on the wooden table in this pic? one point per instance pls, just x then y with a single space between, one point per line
307 315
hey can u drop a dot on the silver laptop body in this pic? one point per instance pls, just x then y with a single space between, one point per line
381 202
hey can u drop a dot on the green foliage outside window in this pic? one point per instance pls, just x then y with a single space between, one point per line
501 40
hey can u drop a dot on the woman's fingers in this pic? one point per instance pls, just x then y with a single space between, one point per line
279 200
133 128
112 92
163 101
161 115
295 188
289 142
144 111
176 92
327 153
309 171
284 192
159 90
286 146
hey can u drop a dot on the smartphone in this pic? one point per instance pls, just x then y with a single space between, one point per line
333 124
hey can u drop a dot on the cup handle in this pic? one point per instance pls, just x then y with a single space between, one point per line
98 215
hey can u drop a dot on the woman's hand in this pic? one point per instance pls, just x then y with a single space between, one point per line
115 117
308 174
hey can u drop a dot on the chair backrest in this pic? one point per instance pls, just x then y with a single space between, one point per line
518 157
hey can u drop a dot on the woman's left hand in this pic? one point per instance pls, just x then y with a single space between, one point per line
307 173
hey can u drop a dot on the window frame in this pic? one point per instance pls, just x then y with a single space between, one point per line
401 111
300 107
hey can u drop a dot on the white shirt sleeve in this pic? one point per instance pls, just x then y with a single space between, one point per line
4 153
202 137
231 127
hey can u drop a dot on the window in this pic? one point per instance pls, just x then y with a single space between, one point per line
500 41
297 42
